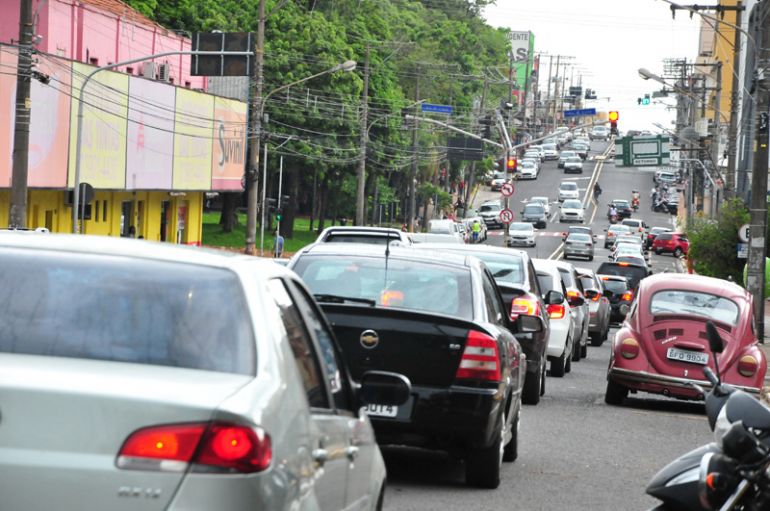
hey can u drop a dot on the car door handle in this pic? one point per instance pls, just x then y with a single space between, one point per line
320 456
351 452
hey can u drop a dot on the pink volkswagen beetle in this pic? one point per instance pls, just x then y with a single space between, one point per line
662 345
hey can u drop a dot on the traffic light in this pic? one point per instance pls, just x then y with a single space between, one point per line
643 101
486 122
613 117
278 214
511 164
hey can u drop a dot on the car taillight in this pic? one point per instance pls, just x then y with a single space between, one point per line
627 296
556 311
747 365
481 358
629 348
524 305
225 446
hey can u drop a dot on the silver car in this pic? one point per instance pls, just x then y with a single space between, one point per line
579 245
578 306
598 306
143 375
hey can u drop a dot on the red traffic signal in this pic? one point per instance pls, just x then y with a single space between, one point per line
511 164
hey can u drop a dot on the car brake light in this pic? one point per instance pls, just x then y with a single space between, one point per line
627 296
629 348
556 311
171 448
524 305
747 365
622 264
481 358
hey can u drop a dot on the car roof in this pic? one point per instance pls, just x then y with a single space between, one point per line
685 281
396 252
585 271
469 249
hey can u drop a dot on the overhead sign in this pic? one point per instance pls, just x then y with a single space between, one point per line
580 113
506 216
507 189
520 42
642 151
222 65
744 233
436 109
465 148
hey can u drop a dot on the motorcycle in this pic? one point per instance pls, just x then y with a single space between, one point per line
660 206
635 203
734 471
612 218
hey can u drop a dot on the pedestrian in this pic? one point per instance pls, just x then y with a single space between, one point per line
278 244
476 230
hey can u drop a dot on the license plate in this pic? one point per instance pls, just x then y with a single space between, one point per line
694 357
381 410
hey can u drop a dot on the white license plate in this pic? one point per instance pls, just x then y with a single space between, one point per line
381 410
694 357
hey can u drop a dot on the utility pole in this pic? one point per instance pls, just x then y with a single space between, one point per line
755 278
361 172
555 91
472 177
715 137
252 172
548 90
17 216
732 137
413 174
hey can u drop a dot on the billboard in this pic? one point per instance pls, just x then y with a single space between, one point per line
7 102
193 131
105 114
150 158
523 53
229 155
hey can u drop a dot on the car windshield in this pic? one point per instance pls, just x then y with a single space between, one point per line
675 301
526 164
136 311
617 229
572 204
489 207
406 284
504 268
568 186
533 209
629 239
549 147
633 274
521 226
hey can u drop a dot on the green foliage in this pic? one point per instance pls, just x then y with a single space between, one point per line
713 243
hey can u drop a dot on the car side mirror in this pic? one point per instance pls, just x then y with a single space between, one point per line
384 388
575 300
592 293
608 293
553 297
530 324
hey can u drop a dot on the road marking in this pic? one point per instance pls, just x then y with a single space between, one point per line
575 178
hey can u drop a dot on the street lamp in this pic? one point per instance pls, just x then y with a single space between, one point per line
251 220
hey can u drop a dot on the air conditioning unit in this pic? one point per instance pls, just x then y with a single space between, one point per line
148 70
164 72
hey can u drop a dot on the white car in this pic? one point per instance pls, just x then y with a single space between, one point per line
551 151
568 190
528 170
571 210
532 154
449 227
561 320
599 133
545 201
563 157
573 164
538 148
533 161
521 233
498 180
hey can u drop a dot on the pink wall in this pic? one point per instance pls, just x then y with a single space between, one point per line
78 30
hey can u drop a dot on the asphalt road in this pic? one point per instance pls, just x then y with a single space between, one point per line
575 452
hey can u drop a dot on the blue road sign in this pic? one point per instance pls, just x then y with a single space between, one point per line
580 113
438 109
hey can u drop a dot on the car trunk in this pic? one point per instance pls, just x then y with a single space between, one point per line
687 335
424 347
64 422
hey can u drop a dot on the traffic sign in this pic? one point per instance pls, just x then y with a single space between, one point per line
744 233
507 189
580 113
506 216
437 109
743 251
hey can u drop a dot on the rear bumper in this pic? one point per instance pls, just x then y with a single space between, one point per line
663 384
455 417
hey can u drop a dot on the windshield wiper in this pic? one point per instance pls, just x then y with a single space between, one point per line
343 299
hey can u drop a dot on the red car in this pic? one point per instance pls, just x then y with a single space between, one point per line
662 345
671 242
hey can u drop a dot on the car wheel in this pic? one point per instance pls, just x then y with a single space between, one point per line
568 364
482 466
511 449
590 258
597 339
380 499
658 251
559 365
678 252
615 393
576 351
584 350
542 382
530 394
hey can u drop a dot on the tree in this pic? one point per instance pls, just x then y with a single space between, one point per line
713 243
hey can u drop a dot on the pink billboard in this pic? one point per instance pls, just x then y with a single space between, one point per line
7 100
150 158
227 166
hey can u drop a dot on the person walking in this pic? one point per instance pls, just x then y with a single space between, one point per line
476 231
278 245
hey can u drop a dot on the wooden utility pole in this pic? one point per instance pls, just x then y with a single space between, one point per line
252 173
361 172
17 216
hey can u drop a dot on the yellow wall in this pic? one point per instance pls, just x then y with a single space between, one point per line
723 52
46 208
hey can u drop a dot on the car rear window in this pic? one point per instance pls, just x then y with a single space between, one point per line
124 310
546 282
504 268
675 301
534 209
568 186
616 286
402 284
566 277
588 283
633 274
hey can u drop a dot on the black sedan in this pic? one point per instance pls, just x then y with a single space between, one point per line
622 206
441 322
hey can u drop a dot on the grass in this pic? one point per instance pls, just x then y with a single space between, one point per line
214 237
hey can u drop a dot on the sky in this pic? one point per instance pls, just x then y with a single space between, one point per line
609 40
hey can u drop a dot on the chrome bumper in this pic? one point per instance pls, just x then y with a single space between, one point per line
668 381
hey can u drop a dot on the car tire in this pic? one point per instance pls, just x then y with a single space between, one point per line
483 466
568 365
615 393
380 499
576 352
530 394
584 350
658 251
597 339
542 383
559 365
678 252
590 258
511 449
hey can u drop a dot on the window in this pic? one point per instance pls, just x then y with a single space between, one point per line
494 309
94 61
330 360
301 346
675 301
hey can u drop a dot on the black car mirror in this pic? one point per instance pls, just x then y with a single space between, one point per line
553 297
575 300
592 293
715 340
608 293
384 388
530 324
